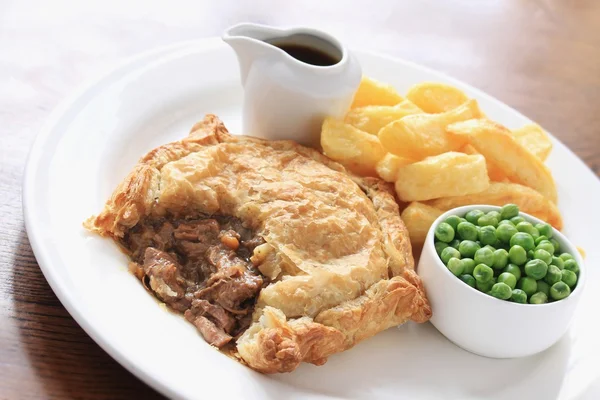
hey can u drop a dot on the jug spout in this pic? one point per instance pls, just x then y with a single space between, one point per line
247 40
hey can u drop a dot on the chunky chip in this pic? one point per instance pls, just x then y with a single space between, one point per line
372 118
387 168
497 194
422 135
534 139
418 218
495 173
435 97
498 145
356 150
448 174
373 93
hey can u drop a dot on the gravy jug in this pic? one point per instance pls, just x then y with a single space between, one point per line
293 79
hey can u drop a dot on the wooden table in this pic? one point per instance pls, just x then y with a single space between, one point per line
541 57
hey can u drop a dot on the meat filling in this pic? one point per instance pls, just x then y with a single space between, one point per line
201 268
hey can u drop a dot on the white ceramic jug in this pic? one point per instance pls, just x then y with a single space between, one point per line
293 79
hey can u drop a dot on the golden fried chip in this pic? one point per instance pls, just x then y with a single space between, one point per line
435 97
374 93
448 174
356 150
497 144
534 139
422 135
387 168
418 218
495 173
498 194
372 118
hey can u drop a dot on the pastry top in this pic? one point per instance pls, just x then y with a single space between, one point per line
329 236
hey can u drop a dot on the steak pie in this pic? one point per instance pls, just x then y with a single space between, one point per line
273 251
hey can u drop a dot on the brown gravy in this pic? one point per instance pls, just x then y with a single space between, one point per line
306 54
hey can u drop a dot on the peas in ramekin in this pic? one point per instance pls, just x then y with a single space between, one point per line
502 254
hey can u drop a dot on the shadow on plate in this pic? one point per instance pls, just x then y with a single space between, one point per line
416 361
64 358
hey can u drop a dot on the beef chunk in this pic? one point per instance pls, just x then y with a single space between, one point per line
164 277
209 331
195 237
221 318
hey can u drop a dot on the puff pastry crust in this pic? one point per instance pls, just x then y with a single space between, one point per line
336 251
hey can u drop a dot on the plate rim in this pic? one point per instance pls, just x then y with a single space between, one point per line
34 163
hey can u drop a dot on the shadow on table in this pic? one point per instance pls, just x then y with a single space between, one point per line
64 358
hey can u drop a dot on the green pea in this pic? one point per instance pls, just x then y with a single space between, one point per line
501 291
489 247
494 214
566 256
484 286
556 245
483 273
468 279
505 222
439 246
444 232
559 291
468 265
543 287
505 231
500 259
455 266
540 239
517 255
517 220
484 256
508 278
528 285
528 228
558 262
530 254
513 269
467 231
553 275
487 220
509 211
487 235
545 245
536 269
453 221
462 220
538 298
468 248
568 277
523 239
543 255
455 243
545 229
571 265
519 296
448 253
473 216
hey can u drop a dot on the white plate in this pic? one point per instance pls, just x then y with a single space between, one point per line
94 139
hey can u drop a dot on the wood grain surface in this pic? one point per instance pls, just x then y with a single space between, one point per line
540 57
